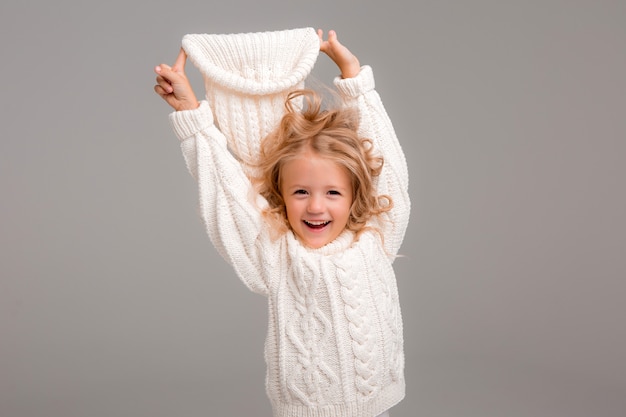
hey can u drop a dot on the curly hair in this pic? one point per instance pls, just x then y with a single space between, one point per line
330 134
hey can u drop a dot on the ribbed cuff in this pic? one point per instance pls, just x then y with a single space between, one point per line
187 123
355 86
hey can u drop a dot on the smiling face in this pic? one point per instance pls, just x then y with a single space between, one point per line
318 195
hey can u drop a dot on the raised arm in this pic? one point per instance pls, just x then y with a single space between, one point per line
232 220
356 86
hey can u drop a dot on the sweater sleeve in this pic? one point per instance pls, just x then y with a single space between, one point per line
232 220
375 124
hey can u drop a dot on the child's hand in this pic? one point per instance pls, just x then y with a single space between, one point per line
348 63
173 85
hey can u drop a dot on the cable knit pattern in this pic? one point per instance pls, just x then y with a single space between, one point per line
334 337
359 322
247 77
391 315
309 330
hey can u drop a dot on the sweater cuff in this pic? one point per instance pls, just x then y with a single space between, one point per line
355 86
187 123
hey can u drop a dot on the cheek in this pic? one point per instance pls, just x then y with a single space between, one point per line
291 208
350 212
343 210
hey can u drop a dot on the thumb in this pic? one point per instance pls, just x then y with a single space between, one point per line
181 59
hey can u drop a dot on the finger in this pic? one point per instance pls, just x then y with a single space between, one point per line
332 36
166 72
323 43
181 59
159 90
163 70
160 68
165 84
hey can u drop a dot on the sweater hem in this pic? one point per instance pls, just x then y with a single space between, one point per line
384 400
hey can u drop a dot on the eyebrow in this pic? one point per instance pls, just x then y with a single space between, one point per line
326 187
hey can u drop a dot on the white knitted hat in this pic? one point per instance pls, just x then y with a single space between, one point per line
247 77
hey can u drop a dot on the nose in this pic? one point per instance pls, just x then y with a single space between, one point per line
316 204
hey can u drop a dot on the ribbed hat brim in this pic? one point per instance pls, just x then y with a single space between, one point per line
256 63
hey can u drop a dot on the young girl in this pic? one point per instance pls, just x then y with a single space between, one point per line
312 216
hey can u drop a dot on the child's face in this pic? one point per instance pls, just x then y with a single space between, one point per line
318 195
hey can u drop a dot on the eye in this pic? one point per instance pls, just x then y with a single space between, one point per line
334 192
303 192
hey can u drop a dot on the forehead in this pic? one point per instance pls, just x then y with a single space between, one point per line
311 168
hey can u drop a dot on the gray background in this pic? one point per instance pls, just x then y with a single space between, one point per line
512 114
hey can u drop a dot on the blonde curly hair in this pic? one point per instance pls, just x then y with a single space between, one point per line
330 134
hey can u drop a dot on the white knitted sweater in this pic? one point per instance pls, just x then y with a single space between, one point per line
334 345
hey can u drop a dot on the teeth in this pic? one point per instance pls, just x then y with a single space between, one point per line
320 223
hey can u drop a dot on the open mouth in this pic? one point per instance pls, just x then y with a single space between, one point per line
316 225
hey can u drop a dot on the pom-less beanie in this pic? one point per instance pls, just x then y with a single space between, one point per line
247 77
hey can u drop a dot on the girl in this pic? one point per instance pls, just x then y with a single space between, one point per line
312 216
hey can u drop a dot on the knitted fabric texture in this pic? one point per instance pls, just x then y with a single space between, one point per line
247 77
334 345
